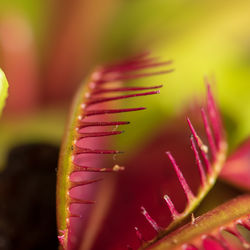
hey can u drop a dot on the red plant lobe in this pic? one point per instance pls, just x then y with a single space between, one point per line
100 211
82 163
209 159
150 185
237 167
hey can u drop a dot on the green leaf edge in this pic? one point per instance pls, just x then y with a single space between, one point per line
229 212
3 90
65 165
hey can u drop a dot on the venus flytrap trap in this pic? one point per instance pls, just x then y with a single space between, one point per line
209 160
89 202
84 138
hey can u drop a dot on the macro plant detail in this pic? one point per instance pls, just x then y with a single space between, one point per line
208 231
209 160
81 162
81 203
89 121
174 175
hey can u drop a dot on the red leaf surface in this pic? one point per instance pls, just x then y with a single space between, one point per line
163 183
84 191
237 168
149 179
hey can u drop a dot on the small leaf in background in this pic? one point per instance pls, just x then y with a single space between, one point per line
3 90
237 168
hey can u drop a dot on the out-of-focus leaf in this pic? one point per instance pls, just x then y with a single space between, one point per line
237 167
203 38
38 14
3 90
216 45
44 127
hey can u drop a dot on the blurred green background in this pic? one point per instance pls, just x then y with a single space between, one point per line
47 47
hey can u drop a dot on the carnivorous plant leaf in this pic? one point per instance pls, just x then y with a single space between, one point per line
82 162
208 231
209 159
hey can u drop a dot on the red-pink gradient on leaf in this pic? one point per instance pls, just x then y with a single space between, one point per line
237 167
157 185
163 182
147 178
19 61
85 192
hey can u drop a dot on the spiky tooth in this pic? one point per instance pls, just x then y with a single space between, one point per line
244 242
234 231
121 77
115 98
174 213
121 68
90 169
139 235
222 238
198 161
84 124
151 221
74 184
188 192
75 215
123 89
209 134
111 111
80 201
214 117
140 66
246 224
135 59
224 243
98 134
79 150
201 146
